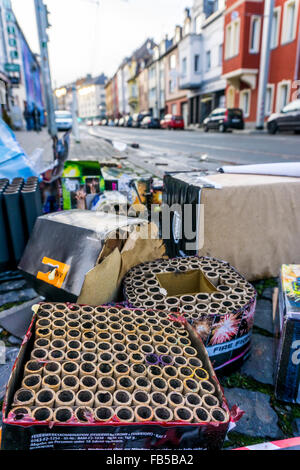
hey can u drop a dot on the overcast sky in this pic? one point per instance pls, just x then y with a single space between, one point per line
85 38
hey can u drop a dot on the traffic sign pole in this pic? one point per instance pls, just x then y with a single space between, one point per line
42 23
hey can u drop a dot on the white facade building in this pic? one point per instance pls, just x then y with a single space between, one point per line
91 98
200 58
156 79
122 81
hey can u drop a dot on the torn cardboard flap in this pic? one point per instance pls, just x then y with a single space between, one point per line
101 284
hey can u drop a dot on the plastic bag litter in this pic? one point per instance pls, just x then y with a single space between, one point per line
13 160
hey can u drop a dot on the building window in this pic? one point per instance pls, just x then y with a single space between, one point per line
184 67
14 54
269 100
12 42
289 21
245 102
174 109
232 46
197 63
220 59
275 27
171 86
173 61
208 61
11 30
283 94
255 34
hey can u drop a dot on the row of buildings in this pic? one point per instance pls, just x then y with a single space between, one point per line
90 94
20 74
214 59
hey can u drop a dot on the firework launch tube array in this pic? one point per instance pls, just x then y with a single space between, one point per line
222 313
143 288
109 364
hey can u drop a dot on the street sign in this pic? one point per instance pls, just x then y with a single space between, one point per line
12 67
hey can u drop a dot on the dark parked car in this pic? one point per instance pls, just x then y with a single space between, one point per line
137 119
128 121
287 120
150 123
223 119
172 122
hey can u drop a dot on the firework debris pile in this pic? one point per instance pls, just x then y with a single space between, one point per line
108 364
207 292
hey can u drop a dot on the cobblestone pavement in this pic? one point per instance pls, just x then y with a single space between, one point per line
252 387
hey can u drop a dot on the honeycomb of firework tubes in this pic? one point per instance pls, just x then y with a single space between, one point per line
233 292
109 364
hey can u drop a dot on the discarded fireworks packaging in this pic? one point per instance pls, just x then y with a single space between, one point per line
287 332
81 181
23 428
83 255
229 217
137 189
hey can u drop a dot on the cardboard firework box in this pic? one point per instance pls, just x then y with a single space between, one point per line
80 255
287 332
81 180
23 428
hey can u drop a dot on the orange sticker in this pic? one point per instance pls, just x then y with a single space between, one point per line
57 273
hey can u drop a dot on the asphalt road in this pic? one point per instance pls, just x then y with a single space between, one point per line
196 149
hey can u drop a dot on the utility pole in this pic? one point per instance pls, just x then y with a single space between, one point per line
264 63
43 24
75 115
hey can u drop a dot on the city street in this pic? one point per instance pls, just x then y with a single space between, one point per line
201 150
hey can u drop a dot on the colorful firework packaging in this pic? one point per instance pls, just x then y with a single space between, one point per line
287 333
110 377
208 293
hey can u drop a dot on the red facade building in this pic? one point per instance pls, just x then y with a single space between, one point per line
244 21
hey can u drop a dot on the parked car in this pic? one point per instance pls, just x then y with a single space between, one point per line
116 121
287 120
172 122
104 122
111 123
64 120
128 121
89 122
122 122
223 119
96 122
150 123
137 119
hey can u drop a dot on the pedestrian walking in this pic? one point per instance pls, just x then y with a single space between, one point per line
27 116
36 118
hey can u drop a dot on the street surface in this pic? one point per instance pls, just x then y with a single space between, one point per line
196 149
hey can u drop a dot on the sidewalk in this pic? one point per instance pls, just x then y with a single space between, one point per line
89 147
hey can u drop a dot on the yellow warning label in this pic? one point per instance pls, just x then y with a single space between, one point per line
57 273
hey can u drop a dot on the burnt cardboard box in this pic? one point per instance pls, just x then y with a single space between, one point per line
83 255
240 218
34 435
287 333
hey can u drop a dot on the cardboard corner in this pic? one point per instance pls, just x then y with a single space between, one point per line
101 282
